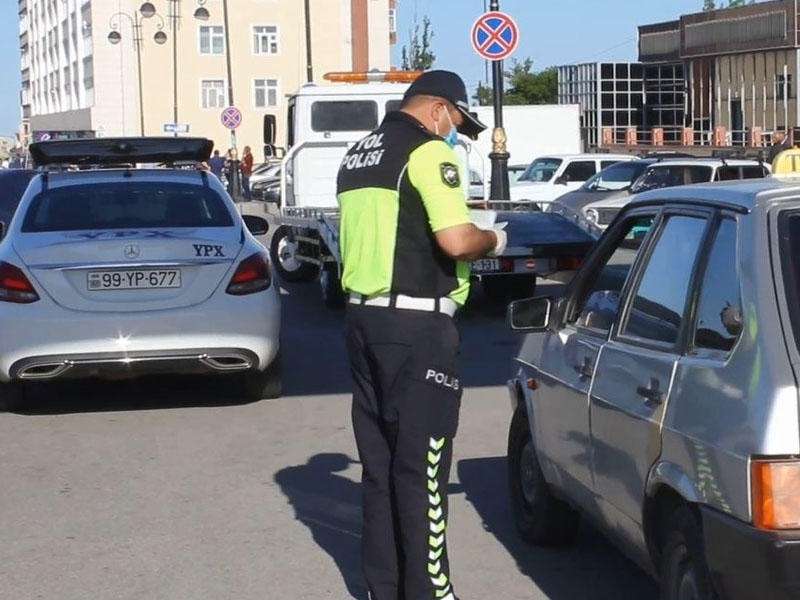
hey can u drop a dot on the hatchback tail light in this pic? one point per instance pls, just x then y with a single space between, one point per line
252 275
14 286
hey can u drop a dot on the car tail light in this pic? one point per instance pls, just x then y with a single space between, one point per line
14 286
775 493
568 263
252 275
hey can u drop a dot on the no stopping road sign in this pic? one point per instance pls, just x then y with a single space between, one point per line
494 35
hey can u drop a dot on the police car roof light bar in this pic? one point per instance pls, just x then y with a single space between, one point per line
367 76
115 151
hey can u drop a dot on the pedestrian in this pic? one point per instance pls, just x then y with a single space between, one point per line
246 169
406 235
780 142
216 163
229 169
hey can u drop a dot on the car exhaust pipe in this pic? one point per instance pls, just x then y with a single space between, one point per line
227 362
45 370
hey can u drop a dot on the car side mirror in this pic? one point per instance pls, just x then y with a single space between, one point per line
562 180
255 224
530 314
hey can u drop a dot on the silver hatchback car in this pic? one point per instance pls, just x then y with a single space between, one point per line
658 396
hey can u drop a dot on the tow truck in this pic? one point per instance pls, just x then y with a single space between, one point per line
324 120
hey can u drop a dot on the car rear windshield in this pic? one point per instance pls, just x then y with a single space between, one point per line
125 205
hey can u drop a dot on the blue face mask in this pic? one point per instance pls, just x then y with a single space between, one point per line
451 137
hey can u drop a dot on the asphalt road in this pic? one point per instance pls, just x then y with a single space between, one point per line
176 489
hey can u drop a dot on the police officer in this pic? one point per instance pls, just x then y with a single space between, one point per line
406 239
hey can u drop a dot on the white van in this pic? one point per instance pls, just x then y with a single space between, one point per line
548 177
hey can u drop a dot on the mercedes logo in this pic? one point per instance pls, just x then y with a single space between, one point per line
131 251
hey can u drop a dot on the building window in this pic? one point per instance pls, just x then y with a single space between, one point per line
212 39
265 39
212 92
265 93
781 83
392 20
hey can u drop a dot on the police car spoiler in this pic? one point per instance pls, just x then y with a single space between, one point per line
116 151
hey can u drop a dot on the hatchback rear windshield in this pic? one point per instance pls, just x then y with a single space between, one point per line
124 205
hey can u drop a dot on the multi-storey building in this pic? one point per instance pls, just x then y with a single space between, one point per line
127 67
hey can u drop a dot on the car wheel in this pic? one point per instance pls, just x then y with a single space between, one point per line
332 294
502 289
684 573
283 252
540 517
264 384
12 395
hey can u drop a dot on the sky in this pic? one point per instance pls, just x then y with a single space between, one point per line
551 32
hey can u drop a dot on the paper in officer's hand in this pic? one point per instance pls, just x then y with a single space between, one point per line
483 219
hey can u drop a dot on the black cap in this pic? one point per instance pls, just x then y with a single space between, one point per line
448 85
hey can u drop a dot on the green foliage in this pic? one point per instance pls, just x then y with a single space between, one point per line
711 5
522 86
418 54
526 87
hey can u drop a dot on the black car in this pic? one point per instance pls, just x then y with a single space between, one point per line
13 183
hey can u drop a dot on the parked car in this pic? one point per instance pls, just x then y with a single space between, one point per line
13 183
268 188
120 271
614 181
668 173
548 177
659 395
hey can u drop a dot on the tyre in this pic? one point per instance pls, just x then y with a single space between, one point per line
283 252
332 294
502 289
540 517
267 384
683 570
12 395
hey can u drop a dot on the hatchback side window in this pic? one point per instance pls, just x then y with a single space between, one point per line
598 304
579 170
660 296
719 310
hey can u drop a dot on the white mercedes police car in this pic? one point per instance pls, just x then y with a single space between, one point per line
112 268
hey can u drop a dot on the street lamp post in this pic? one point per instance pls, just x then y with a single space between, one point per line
146 11
499 189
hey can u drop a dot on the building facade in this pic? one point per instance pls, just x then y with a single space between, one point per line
167 67
739 66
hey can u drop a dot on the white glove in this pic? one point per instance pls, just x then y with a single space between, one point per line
502 239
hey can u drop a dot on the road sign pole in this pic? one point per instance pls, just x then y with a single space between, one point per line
499 155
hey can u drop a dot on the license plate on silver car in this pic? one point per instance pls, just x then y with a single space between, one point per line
138 279
485 265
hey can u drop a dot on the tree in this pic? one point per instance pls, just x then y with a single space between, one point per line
711 5
526 87
418 54
483 95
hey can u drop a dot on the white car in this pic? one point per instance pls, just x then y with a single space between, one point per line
548 177
114 270
670 173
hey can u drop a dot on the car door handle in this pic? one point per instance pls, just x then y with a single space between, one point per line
652 393
586 369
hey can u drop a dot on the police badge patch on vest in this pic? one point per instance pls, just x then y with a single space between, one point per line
449 174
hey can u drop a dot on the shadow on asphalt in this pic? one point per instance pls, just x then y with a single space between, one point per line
330 506
143 393
589 570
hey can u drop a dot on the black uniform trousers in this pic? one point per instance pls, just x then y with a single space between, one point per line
405 409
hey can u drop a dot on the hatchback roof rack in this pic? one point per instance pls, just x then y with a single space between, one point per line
121 150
